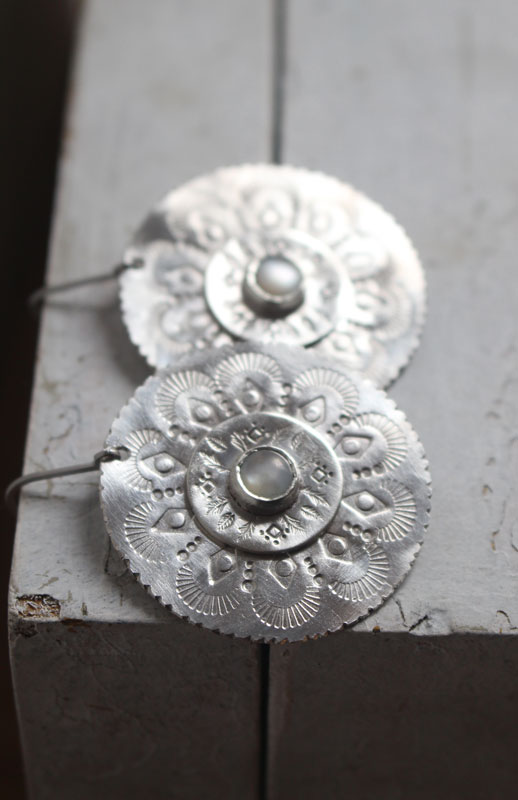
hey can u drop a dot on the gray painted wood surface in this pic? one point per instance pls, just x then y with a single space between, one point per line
410 102
162 91
414 104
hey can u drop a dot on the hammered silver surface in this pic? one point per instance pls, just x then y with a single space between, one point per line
341 549
370 320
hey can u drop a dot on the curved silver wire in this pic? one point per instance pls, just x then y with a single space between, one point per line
40 295
111 454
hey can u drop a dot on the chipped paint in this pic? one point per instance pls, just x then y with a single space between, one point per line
38 606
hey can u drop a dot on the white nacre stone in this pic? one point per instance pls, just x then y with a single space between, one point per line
266 473
278 277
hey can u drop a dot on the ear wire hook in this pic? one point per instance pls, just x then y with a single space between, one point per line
38 297
109 454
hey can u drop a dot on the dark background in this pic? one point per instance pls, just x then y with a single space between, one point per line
37 40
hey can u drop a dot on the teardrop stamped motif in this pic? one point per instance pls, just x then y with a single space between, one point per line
202 599
283 618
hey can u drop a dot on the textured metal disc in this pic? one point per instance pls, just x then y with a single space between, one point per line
364 294
290 559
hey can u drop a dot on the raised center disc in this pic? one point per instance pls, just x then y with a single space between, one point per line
264 481
278 276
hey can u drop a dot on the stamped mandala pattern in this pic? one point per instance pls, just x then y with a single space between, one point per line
355 284
266 493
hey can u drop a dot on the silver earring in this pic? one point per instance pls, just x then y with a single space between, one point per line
267 490
278 255
264 492
272 254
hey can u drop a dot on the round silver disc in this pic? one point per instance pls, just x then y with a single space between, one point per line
274 254
264 492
